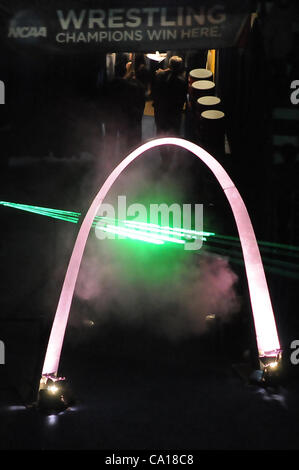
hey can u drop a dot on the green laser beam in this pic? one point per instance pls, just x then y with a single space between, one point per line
268 269
63 215
36 208
69 216
265 258
238 258
57 213
150 235
265 249
132 234
262 243
170 229
159 230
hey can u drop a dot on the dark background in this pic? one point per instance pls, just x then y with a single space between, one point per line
138 389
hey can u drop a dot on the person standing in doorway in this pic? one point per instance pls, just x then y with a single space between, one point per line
133 103
169 97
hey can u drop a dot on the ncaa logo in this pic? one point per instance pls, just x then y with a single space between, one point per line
26 25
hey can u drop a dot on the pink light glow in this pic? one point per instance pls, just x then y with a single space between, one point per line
264 321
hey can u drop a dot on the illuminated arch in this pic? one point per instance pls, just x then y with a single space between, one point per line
264 321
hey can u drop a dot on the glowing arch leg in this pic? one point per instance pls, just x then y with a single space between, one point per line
265 327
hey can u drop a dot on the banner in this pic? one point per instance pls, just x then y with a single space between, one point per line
75 25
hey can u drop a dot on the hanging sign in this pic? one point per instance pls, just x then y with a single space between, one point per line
137 26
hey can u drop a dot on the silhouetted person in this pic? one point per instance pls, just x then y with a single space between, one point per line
169 93
141 72
122 105
112 110
121 60
133 102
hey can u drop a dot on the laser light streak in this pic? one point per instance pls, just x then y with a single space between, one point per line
232 244
150 233
71 216
131 234
170 230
